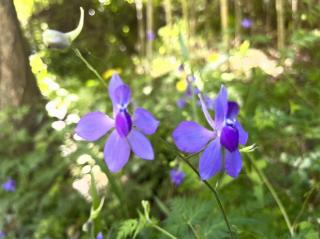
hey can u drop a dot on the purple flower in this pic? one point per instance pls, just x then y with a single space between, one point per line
246 23
128 132
181 103
2 235
9 185
177 176
99 236
221 141
151 36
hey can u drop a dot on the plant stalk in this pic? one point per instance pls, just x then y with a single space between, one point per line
214 191
275 196
164 232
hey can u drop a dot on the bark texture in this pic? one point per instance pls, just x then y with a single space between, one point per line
17 84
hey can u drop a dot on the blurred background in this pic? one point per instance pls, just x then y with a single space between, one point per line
265 52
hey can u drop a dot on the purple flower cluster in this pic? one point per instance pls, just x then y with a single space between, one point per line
220 144
128 132
177 176
9 185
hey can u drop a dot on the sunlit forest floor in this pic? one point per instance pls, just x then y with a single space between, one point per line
66 173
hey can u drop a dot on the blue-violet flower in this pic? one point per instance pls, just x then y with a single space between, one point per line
9 185
220 142
129 132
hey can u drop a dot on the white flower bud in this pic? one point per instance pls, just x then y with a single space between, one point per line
60 40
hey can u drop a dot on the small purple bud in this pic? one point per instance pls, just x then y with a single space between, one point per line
123 123
181 103
151 36
246 23
9 185
181 68
189 91
177 176
196 90
99 236
229 138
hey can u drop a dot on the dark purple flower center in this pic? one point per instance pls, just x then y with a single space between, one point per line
123 123
229 137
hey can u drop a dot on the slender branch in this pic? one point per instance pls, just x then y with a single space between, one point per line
89 66
164 232
215 193
275 196
194 232
304 205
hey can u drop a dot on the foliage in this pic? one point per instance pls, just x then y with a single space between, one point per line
64 189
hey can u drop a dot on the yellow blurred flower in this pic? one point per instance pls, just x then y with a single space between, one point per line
109 72
182 85
213 57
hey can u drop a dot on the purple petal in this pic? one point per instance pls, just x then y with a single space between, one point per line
233 110
123 123
233 163
94 125
116 152
210 162
229 138
190 137
177 176
145 121
243 135
114 83
140 145
221 106
206 112
122 95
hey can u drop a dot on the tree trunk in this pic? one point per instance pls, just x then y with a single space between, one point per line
18 86
224 23
280 24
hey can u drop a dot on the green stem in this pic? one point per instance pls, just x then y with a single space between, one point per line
92 230
304 205
164 232
265 180
214 192
194 232
114 187
89 66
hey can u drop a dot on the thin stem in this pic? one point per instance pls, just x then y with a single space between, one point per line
265 180
304 205
168 234
92 230
114 187
215 193
194 232
89 66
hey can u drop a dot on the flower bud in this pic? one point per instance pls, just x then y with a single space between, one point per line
59 40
